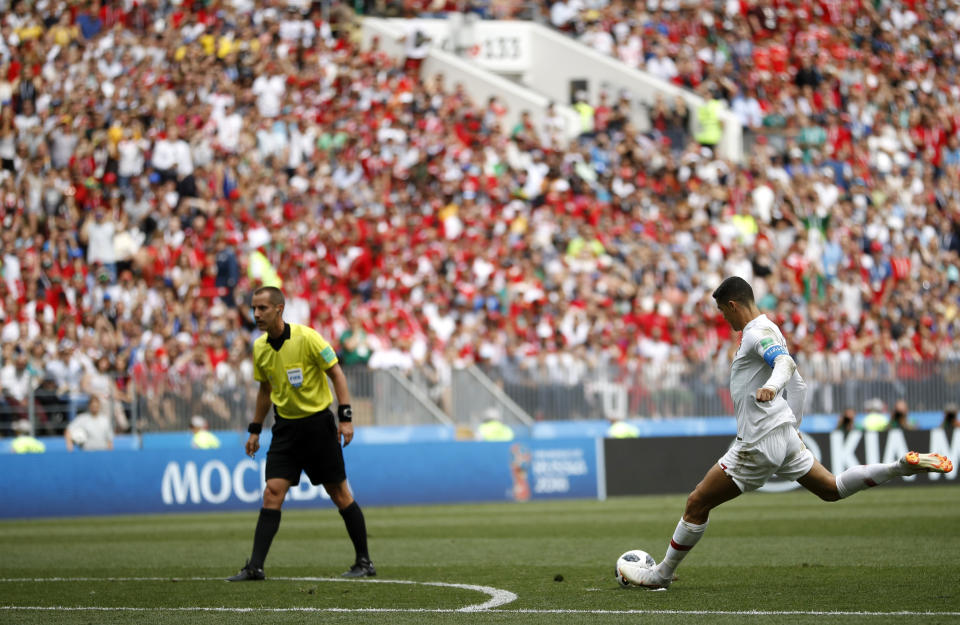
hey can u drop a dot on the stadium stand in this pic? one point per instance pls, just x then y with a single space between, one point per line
158 161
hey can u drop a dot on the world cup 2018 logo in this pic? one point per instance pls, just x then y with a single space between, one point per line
520 471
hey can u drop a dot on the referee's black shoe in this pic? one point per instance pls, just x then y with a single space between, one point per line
362 568
248 574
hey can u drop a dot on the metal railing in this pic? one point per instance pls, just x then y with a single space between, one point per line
519 394
679 388
476 396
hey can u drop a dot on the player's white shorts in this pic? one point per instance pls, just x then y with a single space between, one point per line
780 452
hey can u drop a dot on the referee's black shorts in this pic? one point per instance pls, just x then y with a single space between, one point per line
310 445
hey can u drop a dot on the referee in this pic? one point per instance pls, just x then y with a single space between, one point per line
289 361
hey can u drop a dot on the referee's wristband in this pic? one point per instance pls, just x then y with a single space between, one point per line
254 427
344 413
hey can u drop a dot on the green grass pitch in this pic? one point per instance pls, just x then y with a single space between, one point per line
883 556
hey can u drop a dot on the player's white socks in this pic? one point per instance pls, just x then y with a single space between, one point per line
856 479
684 538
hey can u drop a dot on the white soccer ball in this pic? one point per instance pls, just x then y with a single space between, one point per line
79 437
633 560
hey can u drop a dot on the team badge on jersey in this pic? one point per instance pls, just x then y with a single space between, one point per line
328 355
295 377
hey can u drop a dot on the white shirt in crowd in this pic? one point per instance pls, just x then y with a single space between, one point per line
228 131
662 67
416 44
15 384
631 52
748 111
95 431
391 358
131 159
562 12
15 331
184 158
269 91
100 242
293 30
301 145
68 374
164 155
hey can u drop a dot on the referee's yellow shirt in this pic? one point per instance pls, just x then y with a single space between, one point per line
296 372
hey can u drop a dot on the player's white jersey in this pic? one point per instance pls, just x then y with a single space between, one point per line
762 342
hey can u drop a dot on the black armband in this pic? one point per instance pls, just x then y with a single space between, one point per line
254 427
344 413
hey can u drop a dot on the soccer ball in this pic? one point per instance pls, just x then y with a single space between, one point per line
634 559
79 437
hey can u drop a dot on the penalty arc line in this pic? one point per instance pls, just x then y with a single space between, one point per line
10 608
498 597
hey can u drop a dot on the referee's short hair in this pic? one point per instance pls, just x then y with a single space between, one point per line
276 295
734 289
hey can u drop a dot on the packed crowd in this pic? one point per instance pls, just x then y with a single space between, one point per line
159 161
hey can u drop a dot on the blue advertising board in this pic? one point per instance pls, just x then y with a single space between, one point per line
166 480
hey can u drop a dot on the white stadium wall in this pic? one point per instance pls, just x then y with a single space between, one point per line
543 61
480 83
556 60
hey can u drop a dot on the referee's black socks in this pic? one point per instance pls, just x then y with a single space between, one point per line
267 526
353 518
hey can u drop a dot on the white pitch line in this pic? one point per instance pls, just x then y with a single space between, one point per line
452 611
498 597
737 612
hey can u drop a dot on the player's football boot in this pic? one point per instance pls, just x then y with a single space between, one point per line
362 568
930 463
248 574
645 577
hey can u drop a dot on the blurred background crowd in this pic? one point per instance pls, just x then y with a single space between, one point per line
159 160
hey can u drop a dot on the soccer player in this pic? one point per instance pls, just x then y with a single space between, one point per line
768 395
292 363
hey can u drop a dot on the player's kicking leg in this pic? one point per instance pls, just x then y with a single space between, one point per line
829 487
715 488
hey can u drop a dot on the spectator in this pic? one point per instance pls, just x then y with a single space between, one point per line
620 428
16 380
416 46
847 422
493 428
950 421
414 196
708 116
68 370
91 430
900 418
98 233
355 345
52 411
24 442
101 381
228 271
203 438
747 109
875 420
